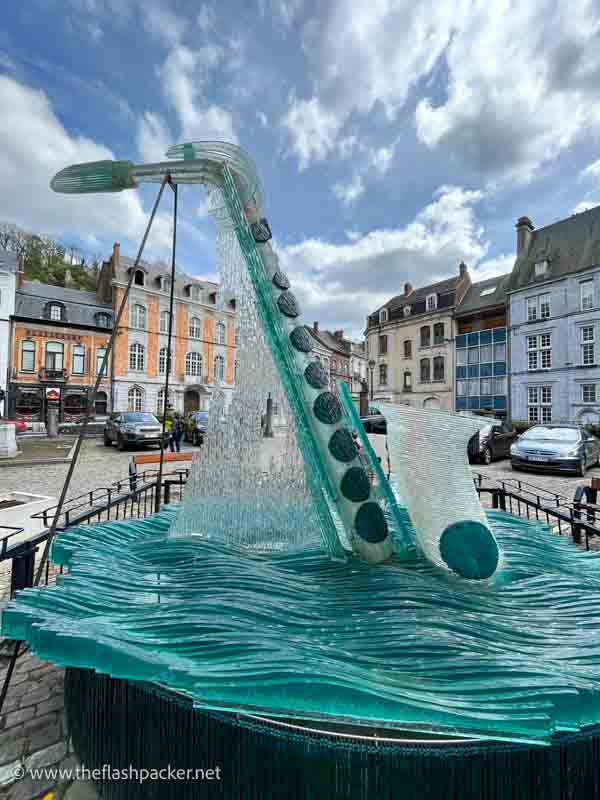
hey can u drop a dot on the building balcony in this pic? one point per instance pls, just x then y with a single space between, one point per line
53 375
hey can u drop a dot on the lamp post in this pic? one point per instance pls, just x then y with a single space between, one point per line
372 367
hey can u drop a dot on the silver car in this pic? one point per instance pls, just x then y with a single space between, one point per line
565 448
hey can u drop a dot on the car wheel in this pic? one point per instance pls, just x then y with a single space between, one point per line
486 456
581 468
120 444
107 441
513 466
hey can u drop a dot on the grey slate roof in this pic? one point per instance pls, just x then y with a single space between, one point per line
8 261
569 246
329 341
473 301
417 300
155 271
80 307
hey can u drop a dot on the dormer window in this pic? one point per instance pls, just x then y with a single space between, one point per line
103 320
431 302
541 268
165 284
138 277
55 312
383 315
406 311
196 293
213 298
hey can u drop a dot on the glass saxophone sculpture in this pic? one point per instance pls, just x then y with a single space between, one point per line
353 516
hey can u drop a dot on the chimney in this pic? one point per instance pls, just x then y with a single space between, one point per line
525 229
339 335
116 254
407 289
462 269
315 327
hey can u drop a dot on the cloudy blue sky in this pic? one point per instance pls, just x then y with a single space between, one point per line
393 137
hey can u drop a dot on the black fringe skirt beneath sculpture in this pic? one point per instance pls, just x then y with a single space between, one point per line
148 744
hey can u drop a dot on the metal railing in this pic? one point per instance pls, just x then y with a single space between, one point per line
578 518
133 497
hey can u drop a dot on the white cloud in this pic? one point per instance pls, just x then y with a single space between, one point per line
33 147
509 86
312 128
499 265
206 18
592 169
348 193
381 159
184 76
163 23
585 205
340 284
153 137
285 12
262 118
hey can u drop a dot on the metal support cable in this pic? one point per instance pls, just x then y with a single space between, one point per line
83 431
158 493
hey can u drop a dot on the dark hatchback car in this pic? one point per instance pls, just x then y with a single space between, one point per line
493 441
374 423
564 448
133 429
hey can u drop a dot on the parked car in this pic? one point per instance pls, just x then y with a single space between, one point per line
195 427
20 425
133 429
565 448
494 440
374 423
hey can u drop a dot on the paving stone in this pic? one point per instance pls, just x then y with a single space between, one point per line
47 757
37 722
44 737
8 774
28 789
37 695
11 747
81 790
18 717
55 703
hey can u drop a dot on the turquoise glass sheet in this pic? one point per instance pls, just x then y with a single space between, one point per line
295 633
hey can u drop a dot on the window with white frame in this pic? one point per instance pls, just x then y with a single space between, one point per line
406 311
78 360
160 400
193 365
162 360
100 353
136 357
236 336
383 315
539 351
431 302
461 388
588 392
539 404
138 317
27 355
220 333
166 284
196 293
164 321
219 368
586 294
135 399
383 374
538 307
56 312
588 346
195 328
541 268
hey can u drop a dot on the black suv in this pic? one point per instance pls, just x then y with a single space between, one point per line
133 429
492 441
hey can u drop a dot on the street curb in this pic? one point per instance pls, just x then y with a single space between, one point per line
35 462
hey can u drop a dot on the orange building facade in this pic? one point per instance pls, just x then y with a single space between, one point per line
203 336
58 338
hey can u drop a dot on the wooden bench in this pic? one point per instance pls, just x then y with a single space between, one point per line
154 458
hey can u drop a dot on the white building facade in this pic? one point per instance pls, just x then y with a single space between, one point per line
8 277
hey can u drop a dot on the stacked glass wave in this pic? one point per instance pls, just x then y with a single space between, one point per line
295 633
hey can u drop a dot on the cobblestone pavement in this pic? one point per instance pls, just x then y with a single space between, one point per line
34 743
561 484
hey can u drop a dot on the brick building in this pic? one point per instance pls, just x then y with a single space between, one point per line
58 338
203 337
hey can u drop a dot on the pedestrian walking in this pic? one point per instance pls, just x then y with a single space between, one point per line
176 434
